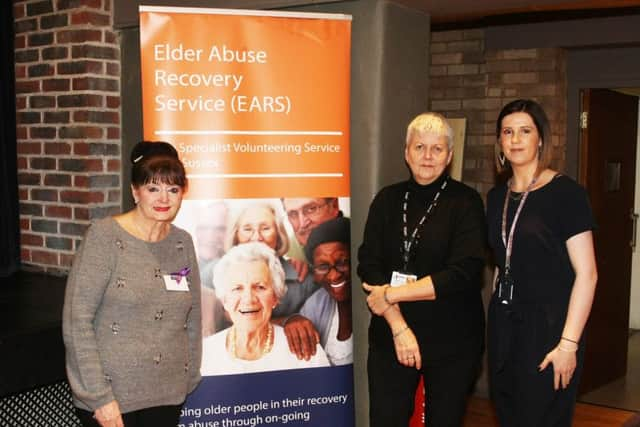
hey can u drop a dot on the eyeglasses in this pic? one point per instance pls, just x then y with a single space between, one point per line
311 210
341 266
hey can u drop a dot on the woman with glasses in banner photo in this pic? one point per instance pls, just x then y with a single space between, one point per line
421 261
540 229
328 249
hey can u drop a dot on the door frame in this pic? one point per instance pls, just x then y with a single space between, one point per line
594 68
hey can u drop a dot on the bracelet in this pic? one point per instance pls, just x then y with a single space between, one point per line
570 340
566 350
400 332
384 295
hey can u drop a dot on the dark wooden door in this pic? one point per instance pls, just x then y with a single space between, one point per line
608 172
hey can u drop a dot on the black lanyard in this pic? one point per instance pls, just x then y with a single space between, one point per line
408 242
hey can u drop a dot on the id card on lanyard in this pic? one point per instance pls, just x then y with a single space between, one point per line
505 283
399 278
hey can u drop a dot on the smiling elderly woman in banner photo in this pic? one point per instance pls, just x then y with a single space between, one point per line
250 281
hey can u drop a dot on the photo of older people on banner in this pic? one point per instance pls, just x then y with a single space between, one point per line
267 157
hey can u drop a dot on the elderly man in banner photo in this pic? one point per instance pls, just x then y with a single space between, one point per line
250 281
305 214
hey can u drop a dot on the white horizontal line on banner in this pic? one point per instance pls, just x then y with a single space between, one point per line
265 175
248 12
249 132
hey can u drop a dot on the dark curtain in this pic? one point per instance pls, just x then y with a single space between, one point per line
9 216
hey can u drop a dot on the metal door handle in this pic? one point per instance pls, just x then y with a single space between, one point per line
634 218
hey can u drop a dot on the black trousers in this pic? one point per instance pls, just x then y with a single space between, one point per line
158 416
392 389
519 339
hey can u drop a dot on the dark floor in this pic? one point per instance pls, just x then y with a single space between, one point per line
31 347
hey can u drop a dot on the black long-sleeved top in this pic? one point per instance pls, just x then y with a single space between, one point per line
450 248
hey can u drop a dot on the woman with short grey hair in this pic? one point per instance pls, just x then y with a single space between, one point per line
421 261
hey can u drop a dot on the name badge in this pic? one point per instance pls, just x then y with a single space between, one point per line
176 283
399 279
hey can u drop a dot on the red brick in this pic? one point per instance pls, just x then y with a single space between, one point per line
56 85
44 257
28 179
92 18
28 86
81 213
21 133
96 117
57 148
42 132
78 36
81 132
80 165
95 83
66 260
58 211
113 165
82 197
31 239
21 102
44 195
19 10
113 101
29 148
113 133
25 255
21 72
113 69
110 37
81 181
25 224
57 180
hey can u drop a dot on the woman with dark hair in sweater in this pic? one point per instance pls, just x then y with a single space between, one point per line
131 321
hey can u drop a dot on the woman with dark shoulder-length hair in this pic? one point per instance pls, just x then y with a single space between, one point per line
540 229
421 260
131 321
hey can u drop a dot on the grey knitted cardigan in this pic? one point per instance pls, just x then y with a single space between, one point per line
127 338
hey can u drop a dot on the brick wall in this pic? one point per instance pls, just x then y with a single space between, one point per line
68 125
469 81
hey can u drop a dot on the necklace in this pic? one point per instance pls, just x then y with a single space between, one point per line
146 236
266 348
515 196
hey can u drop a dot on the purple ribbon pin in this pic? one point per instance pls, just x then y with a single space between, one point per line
178 275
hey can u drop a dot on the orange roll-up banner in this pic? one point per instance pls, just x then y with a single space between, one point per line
257 105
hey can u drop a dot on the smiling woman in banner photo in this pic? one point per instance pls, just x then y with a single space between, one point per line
250 281
540 229
421 261
131 318
329 308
